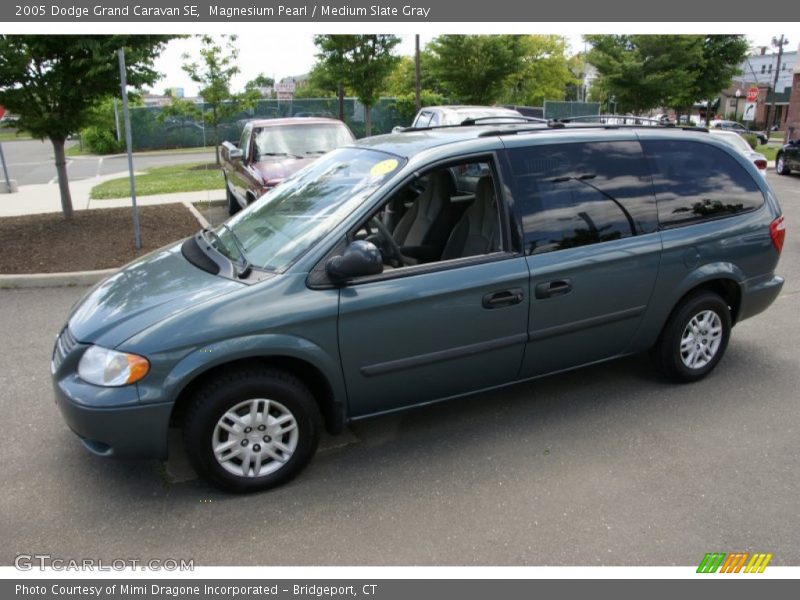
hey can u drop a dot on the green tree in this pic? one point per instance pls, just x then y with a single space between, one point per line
475 68
54 82
641 71
543 71
360 62
258 83
649 71
214 71
721 57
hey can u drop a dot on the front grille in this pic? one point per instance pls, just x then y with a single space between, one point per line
65 342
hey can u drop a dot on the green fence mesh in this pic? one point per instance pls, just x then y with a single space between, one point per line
561 109
152 130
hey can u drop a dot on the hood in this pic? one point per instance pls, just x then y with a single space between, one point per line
275 168
142 293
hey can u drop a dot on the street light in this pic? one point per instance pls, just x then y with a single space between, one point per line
736 106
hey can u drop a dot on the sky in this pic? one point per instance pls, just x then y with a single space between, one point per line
280 55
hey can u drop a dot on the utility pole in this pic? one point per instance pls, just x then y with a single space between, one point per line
416 73
771 109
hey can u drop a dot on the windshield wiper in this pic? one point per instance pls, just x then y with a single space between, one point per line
279 154
316 152
247 266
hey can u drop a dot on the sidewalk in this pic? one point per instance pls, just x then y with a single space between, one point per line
45 197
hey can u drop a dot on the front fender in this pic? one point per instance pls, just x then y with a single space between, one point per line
266 345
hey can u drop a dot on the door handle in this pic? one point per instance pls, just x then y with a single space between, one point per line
550 289
504 298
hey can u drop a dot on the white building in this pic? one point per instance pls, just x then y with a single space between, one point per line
760 68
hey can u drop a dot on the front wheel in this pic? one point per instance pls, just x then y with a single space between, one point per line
233 204
251 429
694 339
780 166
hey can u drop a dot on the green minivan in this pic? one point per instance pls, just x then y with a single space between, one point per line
417 267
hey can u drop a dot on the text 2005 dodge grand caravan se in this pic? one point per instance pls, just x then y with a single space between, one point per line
416 267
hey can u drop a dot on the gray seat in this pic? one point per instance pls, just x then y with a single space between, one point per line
428 221
478 230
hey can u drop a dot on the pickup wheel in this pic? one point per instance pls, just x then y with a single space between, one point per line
694 338
233 203
251 428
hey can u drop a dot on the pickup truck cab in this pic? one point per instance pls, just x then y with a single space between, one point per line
270 150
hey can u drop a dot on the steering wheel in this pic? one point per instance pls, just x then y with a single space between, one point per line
385 242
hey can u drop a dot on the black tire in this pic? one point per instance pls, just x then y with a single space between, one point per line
667 353
236 386
780 165
233 204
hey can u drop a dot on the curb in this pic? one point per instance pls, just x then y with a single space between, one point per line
40 280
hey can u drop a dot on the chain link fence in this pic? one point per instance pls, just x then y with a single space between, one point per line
562 109
154 130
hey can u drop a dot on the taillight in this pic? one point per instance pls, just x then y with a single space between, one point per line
777 232
761 164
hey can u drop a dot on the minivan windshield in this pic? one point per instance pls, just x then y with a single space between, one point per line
289 219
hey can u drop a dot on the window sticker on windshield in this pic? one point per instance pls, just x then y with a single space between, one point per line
383 167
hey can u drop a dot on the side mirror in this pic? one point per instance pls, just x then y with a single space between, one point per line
360 258
231 151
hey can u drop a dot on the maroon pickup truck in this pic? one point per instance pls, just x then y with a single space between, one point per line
272 149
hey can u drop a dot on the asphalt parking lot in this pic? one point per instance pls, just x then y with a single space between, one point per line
604 466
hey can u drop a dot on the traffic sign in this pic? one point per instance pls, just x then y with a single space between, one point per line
752 94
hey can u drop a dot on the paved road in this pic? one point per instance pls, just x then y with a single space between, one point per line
31 161
609 465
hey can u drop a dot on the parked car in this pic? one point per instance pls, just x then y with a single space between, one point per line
376 280
270 150
436 116
737 127
738 142
788 158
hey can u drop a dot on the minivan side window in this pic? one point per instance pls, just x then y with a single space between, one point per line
575 194
695 181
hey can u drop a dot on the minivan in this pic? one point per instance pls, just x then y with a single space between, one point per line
413 268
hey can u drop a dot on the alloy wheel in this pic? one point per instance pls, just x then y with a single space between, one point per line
701 339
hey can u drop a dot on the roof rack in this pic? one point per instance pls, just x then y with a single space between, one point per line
563 125
634 120
476 121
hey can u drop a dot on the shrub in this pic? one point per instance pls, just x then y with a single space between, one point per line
99 140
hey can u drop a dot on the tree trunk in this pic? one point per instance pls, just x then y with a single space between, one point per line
367 120
63 181
216 142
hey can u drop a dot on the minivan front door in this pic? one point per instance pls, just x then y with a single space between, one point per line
414 339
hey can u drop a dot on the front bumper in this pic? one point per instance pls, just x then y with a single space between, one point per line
110 421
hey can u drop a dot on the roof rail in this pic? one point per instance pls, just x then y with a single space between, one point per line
561 126
634 120
477 120
488 120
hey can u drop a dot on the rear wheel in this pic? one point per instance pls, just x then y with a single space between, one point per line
694 339
780 166
251 429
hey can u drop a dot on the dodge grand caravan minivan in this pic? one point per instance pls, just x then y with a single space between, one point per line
417 267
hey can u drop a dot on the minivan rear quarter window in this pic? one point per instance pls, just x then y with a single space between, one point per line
695 181
576 194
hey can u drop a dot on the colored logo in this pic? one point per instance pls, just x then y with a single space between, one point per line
737 562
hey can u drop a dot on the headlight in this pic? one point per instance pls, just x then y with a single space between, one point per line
101 366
